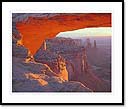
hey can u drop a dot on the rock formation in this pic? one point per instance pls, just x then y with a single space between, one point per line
57 64
36 77
75 62
44 45
36 28
95 46
69 49
88 43
62 68
19 50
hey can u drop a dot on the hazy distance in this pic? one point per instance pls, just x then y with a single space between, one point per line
87 32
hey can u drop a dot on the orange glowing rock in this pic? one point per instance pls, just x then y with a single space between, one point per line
35 30
42 82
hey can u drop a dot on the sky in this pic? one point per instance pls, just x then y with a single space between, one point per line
87 32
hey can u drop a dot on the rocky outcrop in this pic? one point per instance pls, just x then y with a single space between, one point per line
57 84
55 61
30 76
36 77
70 49
76 62
19 50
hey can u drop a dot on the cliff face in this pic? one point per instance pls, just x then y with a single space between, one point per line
31 76
35 28
75 62
65 53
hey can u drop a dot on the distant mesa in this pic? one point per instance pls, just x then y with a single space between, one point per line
88 43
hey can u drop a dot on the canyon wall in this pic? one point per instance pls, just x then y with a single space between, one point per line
31 76
75 62
73 54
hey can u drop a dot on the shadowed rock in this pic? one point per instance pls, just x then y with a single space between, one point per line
28 77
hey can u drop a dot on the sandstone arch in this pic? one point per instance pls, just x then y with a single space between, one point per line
35 30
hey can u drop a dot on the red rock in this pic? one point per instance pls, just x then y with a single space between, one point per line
35 30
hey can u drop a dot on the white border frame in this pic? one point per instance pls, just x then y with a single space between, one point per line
62 7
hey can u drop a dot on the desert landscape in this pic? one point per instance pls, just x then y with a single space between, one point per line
44 61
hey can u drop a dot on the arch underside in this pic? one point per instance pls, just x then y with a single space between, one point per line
35 30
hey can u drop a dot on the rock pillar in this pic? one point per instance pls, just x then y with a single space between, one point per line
95 46
44 45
